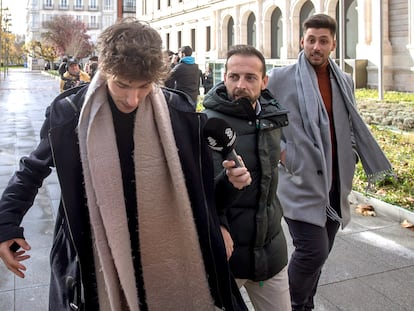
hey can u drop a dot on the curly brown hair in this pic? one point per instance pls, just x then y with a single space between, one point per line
132 50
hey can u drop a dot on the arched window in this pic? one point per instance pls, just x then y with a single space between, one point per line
351 29
276 33
307 10
251 30
230 33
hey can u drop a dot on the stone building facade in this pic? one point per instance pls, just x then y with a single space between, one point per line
95 14
274 27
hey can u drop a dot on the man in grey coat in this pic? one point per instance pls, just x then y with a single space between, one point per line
320 147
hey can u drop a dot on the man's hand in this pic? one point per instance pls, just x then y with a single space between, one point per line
228 241
238 176
12 259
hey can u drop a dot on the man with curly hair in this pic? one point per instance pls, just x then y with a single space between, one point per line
136 227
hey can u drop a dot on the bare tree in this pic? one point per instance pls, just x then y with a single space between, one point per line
68 36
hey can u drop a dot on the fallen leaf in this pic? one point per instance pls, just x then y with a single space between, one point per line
410 200
406 224
365 210
381 192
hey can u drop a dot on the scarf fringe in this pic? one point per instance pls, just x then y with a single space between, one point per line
373 159
377 177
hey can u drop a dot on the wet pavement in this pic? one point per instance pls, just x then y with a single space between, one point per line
371 267
24 96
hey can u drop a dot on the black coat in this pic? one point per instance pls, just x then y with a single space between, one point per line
186 78
72 268
252 215
207 82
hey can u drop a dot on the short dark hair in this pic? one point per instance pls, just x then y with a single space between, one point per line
132 50
187 50
320 21
247 50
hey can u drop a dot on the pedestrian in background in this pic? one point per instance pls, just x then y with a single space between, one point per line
167 58
93 68
250 218
62 66
73 76
207 79
91 60
320 148
185 75
175 60
120 144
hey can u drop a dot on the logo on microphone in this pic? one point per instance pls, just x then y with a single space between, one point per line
231 136
221 137
213 144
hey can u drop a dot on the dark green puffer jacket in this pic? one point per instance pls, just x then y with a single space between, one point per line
252 215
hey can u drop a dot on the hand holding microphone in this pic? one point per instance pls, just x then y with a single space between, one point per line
222 138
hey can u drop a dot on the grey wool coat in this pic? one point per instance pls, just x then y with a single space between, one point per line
304 178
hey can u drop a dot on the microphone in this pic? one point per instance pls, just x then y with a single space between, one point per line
221 137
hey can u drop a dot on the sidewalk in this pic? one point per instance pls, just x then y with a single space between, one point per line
371 267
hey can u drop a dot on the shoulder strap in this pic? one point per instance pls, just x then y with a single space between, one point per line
71 103
73 96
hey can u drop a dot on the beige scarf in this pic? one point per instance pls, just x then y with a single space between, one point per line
173 269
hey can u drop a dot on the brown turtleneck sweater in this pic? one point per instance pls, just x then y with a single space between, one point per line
325 89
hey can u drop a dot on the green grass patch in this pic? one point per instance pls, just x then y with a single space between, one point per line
389 96
399 148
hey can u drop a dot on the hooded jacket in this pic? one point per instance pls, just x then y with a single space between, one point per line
252 215
73 282
185 76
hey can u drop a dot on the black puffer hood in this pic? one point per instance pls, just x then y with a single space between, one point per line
217 99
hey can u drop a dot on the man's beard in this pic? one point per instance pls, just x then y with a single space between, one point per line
243 94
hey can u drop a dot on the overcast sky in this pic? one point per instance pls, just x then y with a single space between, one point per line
17 10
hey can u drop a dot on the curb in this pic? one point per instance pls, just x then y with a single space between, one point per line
43 72
395 212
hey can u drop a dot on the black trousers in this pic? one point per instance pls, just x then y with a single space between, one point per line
312 247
